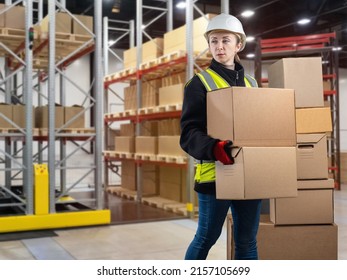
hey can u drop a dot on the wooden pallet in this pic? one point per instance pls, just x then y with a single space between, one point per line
168 108
69 37
172 159
147 110
157 201
149 64
12 32
78 130
171 56
149 157
122 192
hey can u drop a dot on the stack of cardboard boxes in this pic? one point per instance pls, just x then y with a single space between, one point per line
302 227
72 116
261 124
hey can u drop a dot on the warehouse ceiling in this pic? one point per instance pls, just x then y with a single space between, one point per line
272 18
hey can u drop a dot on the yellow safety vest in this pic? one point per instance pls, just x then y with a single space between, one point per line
205 170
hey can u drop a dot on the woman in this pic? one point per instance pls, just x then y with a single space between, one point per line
225 38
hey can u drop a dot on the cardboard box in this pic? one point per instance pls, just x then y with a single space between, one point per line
2 16
125 144
127 129
149 128
150 179
170 183
78 29
128 175
13 18
6 110
77 113
63 23
312 206
150 51
252 116
304 75
41 116
312 156
171 94
169 127
176 39
258 172
130 98
146 145
18 115
313 120
301 242
170 146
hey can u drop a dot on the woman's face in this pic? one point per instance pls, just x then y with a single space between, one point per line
223 46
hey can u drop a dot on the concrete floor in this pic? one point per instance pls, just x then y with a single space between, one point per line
160 240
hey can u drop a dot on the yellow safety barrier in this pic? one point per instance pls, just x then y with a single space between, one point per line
41 189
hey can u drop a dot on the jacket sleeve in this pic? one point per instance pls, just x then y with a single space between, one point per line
194 139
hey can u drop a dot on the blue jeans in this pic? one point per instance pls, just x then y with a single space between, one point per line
212 214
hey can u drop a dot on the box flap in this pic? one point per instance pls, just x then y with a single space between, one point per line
316 184
309 138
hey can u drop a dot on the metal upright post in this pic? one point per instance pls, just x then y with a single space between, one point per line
51 106
98 110
190 73
62 143
132 33
169 16
139 86
224 7
8 161
28 101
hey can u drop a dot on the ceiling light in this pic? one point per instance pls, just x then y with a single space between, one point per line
250 39
111 42
304 21
181 5
250 55
247 13
325 61
336 49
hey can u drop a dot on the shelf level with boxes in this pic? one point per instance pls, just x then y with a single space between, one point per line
43 51
163 70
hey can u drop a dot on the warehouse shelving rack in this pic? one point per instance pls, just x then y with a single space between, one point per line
187 62
323 45
63 206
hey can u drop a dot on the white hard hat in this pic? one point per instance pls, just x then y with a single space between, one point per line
228 23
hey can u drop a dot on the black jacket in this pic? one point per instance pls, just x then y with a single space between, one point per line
194 139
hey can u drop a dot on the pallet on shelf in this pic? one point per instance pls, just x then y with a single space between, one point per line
148 157
172 159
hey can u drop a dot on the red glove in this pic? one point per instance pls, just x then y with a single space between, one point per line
222 152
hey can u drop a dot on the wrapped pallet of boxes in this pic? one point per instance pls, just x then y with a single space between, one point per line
6 114
150 51
74 116
261 123
175 40
41 116
13 18
292 242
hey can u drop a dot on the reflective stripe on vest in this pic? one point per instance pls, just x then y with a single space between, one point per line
205 171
